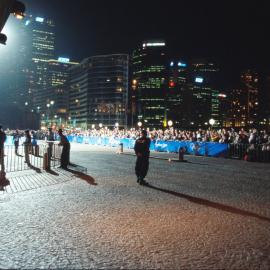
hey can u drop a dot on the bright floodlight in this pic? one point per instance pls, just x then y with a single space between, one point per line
212 122
170 123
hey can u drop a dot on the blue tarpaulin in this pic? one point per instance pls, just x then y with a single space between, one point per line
195 148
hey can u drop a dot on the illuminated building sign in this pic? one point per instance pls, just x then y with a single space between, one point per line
39 19
199 80
180 64
63 60
154 44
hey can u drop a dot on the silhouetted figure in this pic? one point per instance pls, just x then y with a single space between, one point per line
3 138
16 140
142 146
50 139
65 151
35 151
27 146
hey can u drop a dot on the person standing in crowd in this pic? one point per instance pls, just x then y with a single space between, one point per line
66 149
51 135
34 143
50 139
27 146
142 146
16 140
3 138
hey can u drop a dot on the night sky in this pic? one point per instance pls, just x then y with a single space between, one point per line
235 33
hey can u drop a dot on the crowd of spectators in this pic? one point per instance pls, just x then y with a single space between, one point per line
252 136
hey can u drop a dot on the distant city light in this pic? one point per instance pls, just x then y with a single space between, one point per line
222 95
199 80
63 60
39 19
172 64
172 84
212 122
180 64
154 44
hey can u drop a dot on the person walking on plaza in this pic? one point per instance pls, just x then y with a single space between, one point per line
3 138
16 140
27 146
142 146
65 151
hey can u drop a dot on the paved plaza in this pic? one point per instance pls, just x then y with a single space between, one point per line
207 213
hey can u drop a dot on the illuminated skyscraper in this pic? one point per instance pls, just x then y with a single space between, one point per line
203 94
99 91
244 109
176 98
52 104
149 82
43 49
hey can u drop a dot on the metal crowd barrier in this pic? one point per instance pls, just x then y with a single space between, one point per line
45 155
250 152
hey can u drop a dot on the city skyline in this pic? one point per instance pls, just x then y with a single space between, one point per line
36 43
232 34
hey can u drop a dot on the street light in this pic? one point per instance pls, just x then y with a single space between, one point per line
100 125
170 123
93 126
117 125
139 124
52 102
212 122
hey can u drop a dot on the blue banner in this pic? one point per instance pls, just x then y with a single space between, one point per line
194 148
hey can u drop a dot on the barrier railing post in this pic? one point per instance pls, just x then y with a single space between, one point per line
181 153
121 148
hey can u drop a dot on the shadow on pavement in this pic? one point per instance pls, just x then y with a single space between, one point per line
4 182
89 179
208 203
52 172
37 170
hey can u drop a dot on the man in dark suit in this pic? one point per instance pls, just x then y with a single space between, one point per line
142 146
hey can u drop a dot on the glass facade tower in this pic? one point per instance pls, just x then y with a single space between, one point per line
149 81
98 92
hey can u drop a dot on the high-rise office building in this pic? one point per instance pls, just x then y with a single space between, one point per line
203 94
43 49
98 93
149 82
244 109
176 94
54 99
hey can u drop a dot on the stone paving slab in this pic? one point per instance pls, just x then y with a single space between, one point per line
204 214
31 180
